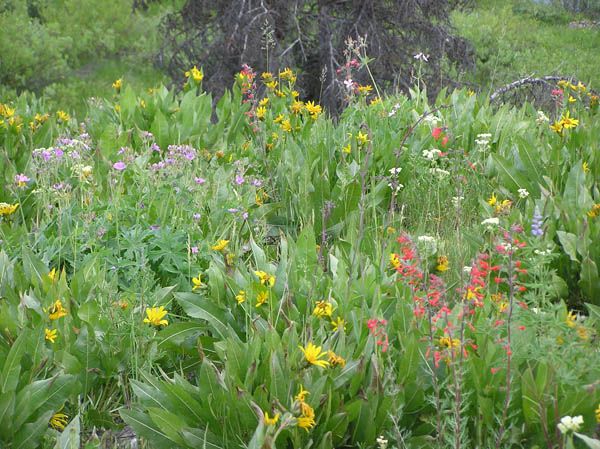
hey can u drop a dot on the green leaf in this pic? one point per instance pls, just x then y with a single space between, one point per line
146 428
592 443
12 366
569 244
69 438
589 281
197 307
168 423
29 436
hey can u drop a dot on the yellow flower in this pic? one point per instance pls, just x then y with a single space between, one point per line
6 111
470 92
557 127
492 200
117 108
155 316
571 319
295 94
301 396
286 126
57 310
266 76
265 278
362 138
271 421
297 107
142 104
313 109
572 99
262 298
306 420
323 308
240 297
261 111
338 323
117 85
220 245
447 342
503 207
288 75
59 421
365 89
313 354
347 149
8 209
52 275
594 211
375 101
197 282
279 93
263 102
335 359
63 116
395 260
195 74
568 122
502 306
583 333
442 264
597 412
585 167
272 85
50 334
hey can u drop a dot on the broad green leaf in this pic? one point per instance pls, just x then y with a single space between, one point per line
69 437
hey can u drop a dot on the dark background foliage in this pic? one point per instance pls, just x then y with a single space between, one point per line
310 36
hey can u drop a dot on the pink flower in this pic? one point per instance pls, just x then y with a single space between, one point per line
436 133
21 180
120 165
194 250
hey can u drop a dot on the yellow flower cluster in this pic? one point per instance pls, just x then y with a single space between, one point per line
59 421
57 310
566 122
323 309
447 342
335 359
155 316
11 120
117 85
38 120
50 334
306 420
565 84
195 74
220 245
594 211
442 264
8 209
265 278
500 207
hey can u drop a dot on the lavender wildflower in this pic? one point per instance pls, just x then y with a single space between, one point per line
536 224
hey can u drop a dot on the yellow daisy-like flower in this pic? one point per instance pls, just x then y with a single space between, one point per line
262 298
583 333
347 149
297 107
261 111
266 76
155 316
8 209
313 355
50 335
272 85
365 89
594 211
571 319
59 421
197 282
287 75
117 85
265 278
306 420
279 93
572 99
557 127
263 102
195 74
597 412
492 200
301 396
57 310
280 118
6 111
335 359
271 421
447 342
63 116
53 275
313 109
295 94
323 309
395 260
585 166
568 122
375 101
443 264
286 126
338 323
240 297
362 138
220 245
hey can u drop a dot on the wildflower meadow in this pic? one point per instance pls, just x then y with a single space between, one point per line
252 273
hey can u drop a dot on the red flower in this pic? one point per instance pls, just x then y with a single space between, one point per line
437 132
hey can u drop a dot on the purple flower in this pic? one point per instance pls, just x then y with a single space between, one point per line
154 227
194 250
257 182
196 216
21 180
120 165
232 210
199 180
155 147
46 155
245 215
58 152
122 150
239 179
536 224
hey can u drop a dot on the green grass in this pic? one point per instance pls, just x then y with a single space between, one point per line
515 39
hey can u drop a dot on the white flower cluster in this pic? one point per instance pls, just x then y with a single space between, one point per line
394 184
570 424
439 171
483 142
428 244
541 118
421 57
432 119
494 221
523 193
394 110
382 442
432 154
456 200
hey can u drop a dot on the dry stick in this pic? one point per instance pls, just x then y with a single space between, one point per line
511 293
529 80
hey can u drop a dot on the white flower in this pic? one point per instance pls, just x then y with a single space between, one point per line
421 57
494 221
432 119
523 193
428 243
570 424
394 110
467 270
395 186
439 171
456 200
349 84
395 171
541 118
431 154
382 442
